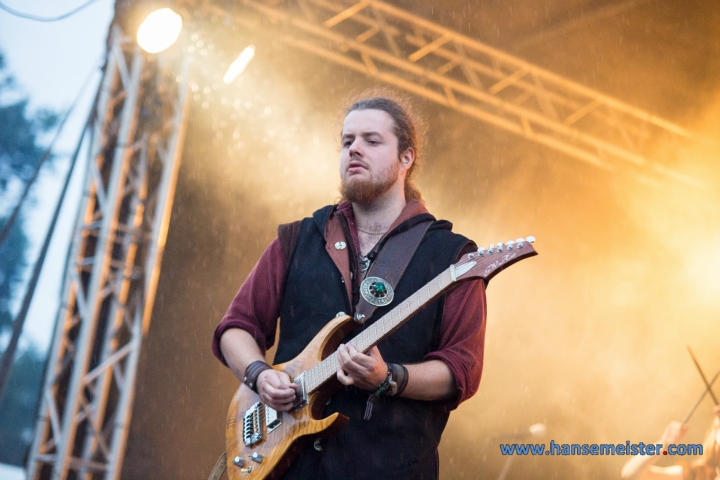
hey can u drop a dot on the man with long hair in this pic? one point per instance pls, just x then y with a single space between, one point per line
314 269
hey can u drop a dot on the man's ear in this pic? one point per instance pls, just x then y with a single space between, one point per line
407 158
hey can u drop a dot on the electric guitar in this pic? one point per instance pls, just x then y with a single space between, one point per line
262 442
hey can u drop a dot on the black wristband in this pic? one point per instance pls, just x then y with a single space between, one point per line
399 378
252 372
402 382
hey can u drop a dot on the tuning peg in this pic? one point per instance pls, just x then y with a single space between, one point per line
500 246
510 244
491 248
481 251
520 242
530 239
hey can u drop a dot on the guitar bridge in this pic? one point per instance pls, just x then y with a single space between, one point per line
252 423
252 429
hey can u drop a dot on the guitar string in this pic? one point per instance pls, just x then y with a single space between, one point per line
330 367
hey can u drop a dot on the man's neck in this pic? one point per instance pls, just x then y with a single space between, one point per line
378 215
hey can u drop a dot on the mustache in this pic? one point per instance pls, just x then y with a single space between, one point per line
357 161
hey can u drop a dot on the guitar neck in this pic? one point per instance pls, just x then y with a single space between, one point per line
386 325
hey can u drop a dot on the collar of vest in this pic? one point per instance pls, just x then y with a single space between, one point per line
322 215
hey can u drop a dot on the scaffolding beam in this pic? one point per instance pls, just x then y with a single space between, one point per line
419 56
138 128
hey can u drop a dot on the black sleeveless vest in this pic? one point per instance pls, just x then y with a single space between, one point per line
400 440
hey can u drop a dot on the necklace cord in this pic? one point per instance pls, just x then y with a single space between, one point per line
371 233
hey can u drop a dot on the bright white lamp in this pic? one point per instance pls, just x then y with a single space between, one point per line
159 30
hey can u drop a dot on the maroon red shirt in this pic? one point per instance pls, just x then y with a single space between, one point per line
256 306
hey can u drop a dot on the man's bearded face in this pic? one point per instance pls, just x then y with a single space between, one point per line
369 162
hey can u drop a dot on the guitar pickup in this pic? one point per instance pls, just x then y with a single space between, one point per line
272 419
301 398
252 429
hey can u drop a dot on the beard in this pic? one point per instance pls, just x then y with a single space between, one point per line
364 191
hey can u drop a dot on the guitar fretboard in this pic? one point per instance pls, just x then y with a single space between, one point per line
376 332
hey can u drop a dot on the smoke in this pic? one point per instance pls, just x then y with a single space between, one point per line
588 338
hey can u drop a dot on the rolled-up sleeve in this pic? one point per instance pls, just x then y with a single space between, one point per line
256 306
462 338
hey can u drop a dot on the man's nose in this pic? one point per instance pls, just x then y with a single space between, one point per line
355 148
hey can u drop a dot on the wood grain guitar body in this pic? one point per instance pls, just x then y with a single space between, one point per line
262 443
280 439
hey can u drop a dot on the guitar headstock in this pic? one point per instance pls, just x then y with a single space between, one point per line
486 262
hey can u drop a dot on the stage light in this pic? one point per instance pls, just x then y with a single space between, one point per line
238 66
159 30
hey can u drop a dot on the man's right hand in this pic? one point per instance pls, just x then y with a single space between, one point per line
674 432
276 390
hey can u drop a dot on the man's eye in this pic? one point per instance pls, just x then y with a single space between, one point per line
373 142
347 144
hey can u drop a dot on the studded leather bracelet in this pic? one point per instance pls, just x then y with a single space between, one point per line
252 372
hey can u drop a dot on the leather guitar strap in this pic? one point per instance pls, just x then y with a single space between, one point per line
393 259
219 468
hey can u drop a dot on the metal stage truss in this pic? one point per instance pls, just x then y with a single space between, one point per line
419 56
135 146
136 139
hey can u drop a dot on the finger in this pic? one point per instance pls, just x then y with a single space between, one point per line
344 378
348 365
343 354
354 370
278 379
277 404
360 358
279 394
374 352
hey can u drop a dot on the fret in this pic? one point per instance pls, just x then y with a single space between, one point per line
371 338
382 327
333 365
372 335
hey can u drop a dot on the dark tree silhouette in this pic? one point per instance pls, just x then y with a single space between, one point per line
20 153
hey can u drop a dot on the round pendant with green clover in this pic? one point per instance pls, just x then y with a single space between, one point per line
377 291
